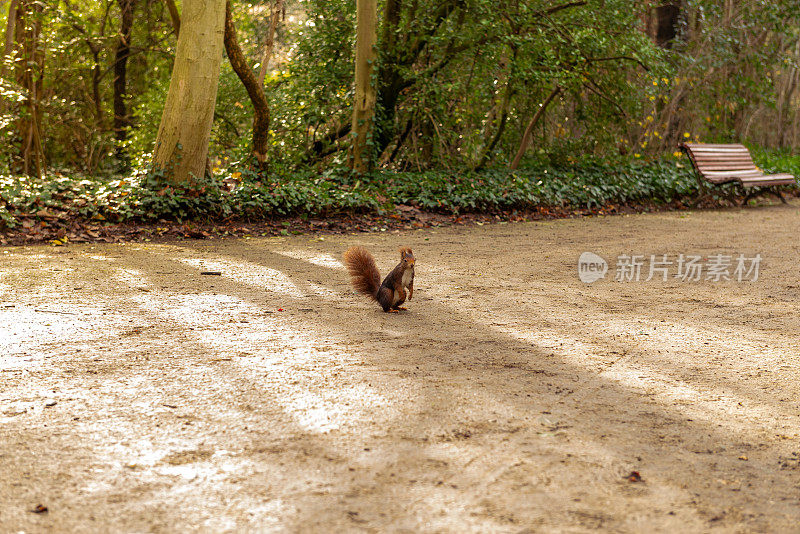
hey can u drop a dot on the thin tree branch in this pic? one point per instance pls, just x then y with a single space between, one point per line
255 91
615 58
415 48
317 149
400 141
595 87
174 15
10 28
556 9
526 137
270 44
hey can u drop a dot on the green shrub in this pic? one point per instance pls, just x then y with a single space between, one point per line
590 184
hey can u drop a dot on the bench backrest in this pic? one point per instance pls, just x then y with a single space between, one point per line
721 163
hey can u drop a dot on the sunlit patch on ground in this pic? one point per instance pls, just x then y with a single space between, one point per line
226 326
132 277
249 273
323 260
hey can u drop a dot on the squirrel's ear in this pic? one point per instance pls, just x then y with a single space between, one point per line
405 251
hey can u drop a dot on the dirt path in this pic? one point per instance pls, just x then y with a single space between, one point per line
140 396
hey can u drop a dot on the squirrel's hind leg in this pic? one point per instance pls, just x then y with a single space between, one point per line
385 297
399 298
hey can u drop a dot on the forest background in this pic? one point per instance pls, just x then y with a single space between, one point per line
135 110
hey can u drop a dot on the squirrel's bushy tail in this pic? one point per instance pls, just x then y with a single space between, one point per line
365 275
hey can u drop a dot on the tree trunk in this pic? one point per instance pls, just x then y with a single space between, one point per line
121 119
426 138
400 55
501 126
182 141
97 76
8 46
390 81
10 30
499 113
254 89
270 44
664 22
29 75
364 106
526 137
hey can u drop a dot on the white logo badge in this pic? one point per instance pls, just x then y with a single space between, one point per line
591 267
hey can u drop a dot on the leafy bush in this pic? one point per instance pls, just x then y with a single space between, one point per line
582 186
590 184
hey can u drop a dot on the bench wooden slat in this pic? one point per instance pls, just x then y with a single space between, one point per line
702 147
727 167
768 180
718 158
721 159
734 149
726 164
713 145
733 172
720 153
711 168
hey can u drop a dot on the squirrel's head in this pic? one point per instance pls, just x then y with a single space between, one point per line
406 256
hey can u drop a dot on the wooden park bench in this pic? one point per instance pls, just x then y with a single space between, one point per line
720 164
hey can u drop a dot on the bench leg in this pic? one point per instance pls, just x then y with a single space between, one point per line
752 194
736 192
701 196
765 190
746 194
757 191
702 191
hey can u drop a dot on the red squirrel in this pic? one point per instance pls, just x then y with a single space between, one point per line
367 279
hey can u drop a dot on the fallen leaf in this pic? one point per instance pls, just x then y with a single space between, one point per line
634 476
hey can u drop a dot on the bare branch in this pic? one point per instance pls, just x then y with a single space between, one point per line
526 137
10 27
174 15
562 7
615 58
255 91
270 44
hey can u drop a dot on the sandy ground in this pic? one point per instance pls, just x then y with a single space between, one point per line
140 396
